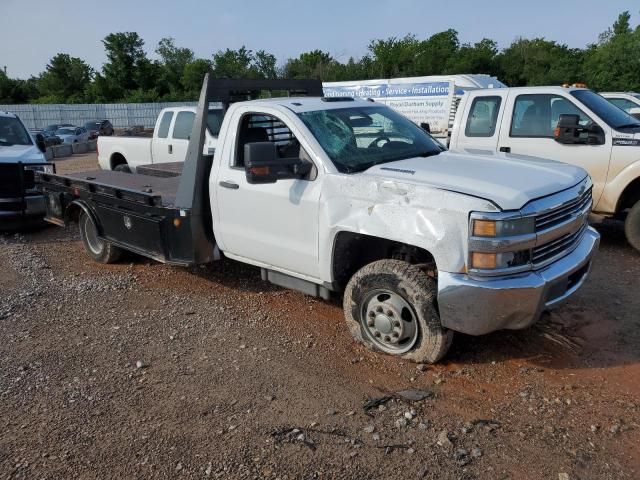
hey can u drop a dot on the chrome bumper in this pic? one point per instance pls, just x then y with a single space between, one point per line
476 306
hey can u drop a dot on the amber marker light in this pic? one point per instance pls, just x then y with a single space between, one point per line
484 228
485 261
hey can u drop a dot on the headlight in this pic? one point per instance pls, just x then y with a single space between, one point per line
503 228
500 243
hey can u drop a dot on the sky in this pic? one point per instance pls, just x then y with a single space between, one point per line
33 31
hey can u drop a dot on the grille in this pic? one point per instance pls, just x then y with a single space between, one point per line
564 212
560 246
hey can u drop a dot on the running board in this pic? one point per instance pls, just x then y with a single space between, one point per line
287 281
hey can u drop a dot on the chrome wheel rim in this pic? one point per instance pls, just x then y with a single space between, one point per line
389 321
91 235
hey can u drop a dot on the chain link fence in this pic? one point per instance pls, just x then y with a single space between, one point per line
121 115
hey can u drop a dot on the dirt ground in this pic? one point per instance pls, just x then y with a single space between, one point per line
140 370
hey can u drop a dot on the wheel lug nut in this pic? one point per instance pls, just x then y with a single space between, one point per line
377 334
372 314
379 309
389 313
396 334
396 324
387 338
371 323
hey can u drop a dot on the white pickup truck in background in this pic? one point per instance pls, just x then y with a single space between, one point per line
168 144
627 101
567 124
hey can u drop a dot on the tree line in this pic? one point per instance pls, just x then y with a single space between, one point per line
610 63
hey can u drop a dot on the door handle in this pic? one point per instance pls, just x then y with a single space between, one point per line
170 148
505 149
229 184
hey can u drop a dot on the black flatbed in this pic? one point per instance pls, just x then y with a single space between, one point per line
164 187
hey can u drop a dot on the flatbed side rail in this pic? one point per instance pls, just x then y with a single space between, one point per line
76 185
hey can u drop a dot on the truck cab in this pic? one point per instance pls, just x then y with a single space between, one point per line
21 154
572 125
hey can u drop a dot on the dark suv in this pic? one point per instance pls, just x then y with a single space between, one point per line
98 127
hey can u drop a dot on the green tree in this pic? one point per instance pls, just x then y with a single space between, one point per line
14 91
65 79
173 63
125 57
477 58
613 64
540 62
193 76
393 57
233 63
314 64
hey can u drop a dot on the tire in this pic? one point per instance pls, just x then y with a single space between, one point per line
99 250
410 294
123 167
632 226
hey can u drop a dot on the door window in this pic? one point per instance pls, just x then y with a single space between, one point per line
623 103
259 127
165 122
537 115
182 127
482 117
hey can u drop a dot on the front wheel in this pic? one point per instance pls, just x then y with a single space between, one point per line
389 305
97 249
632 226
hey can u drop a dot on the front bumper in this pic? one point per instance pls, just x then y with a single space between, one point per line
13 212
477 306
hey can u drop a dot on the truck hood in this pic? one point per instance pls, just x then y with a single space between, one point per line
510 181
21 153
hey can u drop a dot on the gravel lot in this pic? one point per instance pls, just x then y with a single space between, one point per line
140 370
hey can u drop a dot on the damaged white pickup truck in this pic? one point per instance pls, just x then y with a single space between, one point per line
349 196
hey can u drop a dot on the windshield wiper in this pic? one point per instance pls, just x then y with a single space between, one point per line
6 144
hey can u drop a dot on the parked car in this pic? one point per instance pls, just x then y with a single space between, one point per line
627 101
53 128
51 139
98 127
350 196
73 134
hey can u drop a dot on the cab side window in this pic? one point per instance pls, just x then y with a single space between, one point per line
536 116
165 123
258 127
482 117
183 125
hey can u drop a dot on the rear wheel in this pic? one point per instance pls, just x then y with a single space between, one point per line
389 306
97 249
632 226
123 167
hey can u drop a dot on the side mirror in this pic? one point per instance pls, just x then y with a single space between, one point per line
635 113
568 131
41 143
262 165
426 127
